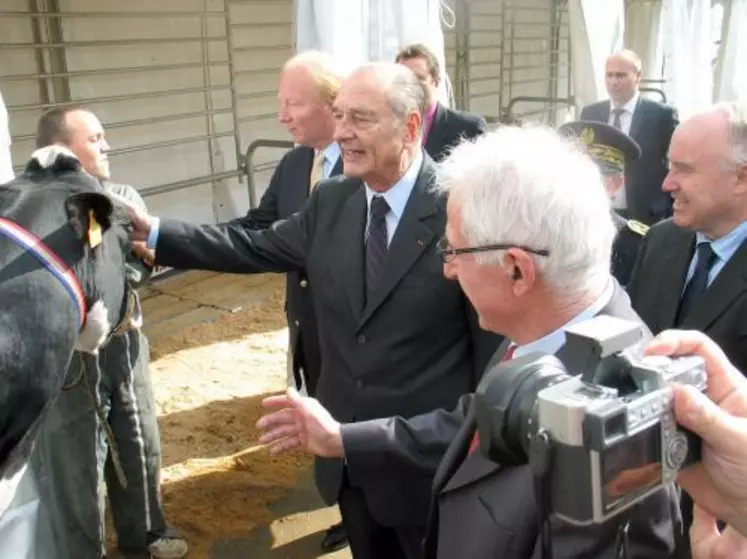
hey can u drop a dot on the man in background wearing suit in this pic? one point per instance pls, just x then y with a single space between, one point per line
531 249
309 83
650 124
443 128
692 269
612 150
397 337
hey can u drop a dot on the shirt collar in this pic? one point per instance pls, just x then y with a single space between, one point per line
331 153
553 341
396 197
726 246
630 106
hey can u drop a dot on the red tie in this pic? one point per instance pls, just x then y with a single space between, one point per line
475 444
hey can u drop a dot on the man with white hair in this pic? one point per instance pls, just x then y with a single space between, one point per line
690 271
531 249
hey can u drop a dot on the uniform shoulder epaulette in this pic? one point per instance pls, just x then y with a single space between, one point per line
637 227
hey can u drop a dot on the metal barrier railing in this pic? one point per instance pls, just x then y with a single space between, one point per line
655 90
551 101
249 166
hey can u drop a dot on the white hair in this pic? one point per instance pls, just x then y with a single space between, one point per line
529 186
737 116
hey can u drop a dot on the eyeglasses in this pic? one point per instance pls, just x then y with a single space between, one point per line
448 253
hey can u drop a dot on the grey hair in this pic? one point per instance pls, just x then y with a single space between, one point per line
737 115
406 93
530 186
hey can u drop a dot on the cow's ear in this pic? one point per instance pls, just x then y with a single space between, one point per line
90 215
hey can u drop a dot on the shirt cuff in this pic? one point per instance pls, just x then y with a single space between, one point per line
153 235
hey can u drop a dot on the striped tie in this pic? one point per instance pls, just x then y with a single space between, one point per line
317 170
376 244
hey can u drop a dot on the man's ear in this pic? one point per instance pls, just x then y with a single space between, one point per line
90 215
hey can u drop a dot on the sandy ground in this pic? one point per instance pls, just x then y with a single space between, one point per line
218 346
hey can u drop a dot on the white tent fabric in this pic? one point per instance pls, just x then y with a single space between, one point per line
596 30
6 164
642 35
688 48
731 70
369 30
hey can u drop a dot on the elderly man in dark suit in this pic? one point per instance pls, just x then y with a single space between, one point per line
530 247
443 128
398 337
613 151
650 124
692 269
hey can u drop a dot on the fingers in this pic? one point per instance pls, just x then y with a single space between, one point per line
285 416
285 445
281 401
282 432
715 426
722 375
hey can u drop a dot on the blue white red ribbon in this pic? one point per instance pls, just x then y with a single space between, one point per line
50 260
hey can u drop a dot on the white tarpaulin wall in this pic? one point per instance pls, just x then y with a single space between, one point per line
596 30
643 36
688 51
731 70
369 30
6 165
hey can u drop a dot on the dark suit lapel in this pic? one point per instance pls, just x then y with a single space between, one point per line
435 138
730 283
673 264
415 233
639 117
347 247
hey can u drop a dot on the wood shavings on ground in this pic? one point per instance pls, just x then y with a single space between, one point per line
209 381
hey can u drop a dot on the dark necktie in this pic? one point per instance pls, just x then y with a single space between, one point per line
475 443
699 282
376 245
617 113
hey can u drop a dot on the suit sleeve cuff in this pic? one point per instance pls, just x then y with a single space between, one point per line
153 235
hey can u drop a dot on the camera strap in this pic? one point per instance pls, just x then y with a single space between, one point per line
541 461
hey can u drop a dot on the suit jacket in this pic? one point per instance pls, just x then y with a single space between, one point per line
286 194
658 282
483 510
630 234
413 347
652 127
449 128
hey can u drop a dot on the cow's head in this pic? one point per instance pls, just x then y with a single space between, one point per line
40 317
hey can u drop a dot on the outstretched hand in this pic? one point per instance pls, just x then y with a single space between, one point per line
299 422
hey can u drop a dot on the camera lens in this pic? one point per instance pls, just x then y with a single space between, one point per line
506 404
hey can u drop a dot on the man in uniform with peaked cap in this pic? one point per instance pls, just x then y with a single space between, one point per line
612 150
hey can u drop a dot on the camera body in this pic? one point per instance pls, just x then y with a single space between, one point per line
606 410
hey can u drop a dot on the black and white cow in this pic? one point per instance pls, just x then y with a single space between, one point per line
63 246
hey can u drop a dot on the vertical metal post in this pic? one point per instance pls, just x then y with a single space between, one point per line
502 59
232 84
57 55
35 7
552 88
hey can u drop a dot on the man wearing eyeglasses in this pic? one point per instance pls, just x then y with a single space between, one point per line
531 249
397 337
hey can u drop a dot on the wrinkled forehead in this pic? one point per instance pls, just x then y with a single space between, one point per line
362 92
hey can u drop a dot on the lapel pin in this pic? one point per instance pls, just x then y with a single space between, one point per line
420 243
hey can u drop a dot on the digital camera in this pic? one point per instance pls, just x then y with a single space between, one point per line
606 411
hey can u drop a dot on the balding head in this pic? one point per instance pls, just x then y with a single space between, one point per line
622 71
379 113
708 170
